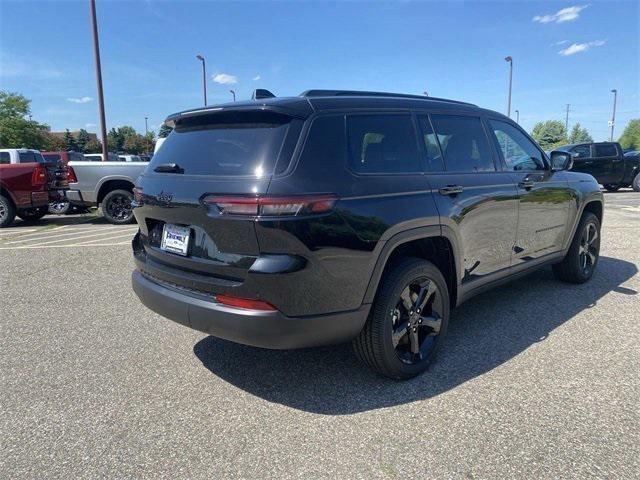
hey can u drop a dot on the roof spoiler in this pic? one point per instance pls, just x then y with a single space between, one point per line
259 93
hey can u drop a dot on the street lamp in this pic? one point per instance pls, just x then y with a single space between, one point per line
510 60
204 78
517 116
96 54
234 95
146 126
613 117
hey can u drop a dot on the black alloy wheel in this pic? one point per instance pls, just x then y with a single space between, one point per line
116 207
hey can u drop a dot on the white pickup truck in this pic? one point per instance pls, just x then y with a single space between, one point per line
105 184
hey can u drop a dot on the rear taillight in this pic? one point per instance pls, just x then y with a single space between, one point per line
71 175
246 303
272 206
39 175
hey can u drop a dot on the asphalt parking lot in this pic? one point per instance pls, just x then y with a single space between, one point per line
537 379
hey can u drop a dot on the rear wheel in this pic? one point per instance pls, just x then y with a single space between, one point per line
32 214
7 212
612 188
582 258
407 322
636 183
116 207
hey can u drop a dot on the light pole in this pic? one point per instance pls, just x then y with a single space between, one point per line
613 117
566 119
234 95
426 94
517 116
146 126
510 60
204 78
96 52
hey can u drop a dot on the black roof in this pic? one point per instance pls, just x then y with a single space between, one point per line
312 101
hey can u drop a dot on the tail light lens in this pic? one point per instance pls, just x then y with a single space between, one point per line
247 303
39 175
71 175
272 206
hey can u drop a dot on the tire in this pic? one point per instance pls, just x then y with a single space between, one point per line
636 183
386 344
59 208
116 207
579 265
33 214
612 188
7 212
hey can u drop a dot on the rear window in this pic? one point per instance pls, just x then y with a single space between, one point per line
31 157
5 158
606 150
228 144
52 157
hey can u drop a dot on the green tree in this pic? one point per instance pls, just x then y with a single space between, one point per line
13 105
15 130
69 141
55 144
83 138
550 134
630 138
93 146
164 131
579 135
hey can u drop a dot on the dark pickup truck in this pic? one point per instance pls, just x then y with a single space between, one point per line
607 163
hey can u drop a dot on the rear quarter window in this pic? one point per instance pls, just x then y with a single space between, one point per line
606 150
5 158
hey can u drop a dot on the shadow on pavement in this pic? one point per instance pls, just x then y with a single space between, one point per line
60 220
484 333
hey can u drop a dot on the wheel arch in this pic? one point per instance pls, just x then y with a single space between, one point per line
5 192
434 243
113 184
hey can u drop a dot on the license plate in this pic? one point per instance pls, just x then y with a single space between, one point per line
175 239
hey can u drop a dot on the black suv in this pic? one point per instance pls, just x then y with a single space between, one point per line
339 215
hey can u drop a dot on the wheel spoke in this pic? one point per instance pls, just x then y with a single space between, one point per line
592 257
594 237
399 333
414 341
427 289
405 296
432 322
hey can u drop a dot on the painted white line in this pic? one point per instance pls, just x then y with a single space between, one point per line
35 237
73 239
130 235
13 232
65 246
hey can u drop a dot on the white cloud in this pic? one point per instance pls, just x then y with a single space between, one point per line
580 47
565 15
80 100
561 42
225 79
256 78
90 125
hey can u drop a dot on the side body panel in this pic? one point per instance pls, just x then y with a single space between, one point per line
92 175
15 178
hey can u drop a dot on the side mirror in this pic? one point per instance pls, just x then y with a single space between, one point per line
561 160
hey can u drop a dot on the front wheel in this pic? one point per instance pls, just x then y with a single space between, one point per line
407 322
32 214
636 183
581 260
116 207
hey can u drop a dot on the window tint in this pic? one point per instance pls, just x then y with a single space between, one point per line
52 157
606 150
382 144
5 157
518 151
325 146
431 147
581 151
463 143
31 157
77 157
226 144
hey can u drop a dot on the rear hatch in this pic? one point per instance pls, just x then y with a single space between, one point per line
208 158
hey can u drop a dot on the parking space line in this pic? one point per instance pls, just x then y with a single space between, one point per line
65 246
111 238
13 232
73 239
36 237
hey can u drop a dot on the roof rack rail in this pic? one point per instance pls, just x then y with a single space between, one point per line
359 93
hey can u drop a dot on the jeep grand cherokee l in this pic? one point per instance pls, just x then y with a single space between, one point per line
363 216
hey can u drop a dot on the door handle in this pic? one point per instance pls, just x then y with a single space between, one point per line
527 184
451 190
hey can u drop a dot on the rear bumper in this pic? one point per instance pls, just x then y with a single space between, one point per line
40 199
75 198
250 327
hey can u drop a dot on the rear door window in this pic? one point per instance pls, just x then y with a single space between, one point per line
226 144
5 158
606 150
383 143
581 151
464 143
31 157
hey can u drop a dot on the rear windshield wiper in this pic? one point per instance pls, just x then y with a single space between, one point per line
168 168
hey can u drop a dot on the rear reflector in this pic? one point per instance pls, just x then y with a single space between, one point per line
273 206
246 303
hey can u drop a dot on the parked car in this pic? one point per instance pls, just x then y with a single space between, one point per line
27 183
364 216
105 184
632 153
606 162
130 158
97 157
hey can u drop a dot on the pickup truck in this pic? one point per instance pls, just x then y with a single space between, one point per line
606 162
105 184
27 184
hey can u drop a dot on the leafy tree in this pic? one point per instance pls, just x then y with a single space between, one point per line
13 105
93 146
15 130
115 141
550 134
55 144
164 131
69 141
579 135
83 138
630 138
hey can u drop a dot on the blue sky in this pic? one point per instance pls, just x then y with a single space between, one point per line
564 52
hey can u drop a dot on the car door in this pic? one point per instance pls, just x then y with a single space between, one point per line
586 161
543 195
611 161
476 201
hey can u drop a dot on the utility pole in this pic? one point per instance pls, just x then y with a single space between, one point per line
566 119
204 78
96 51
613 117
234 95
146 125
517 116
510 60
